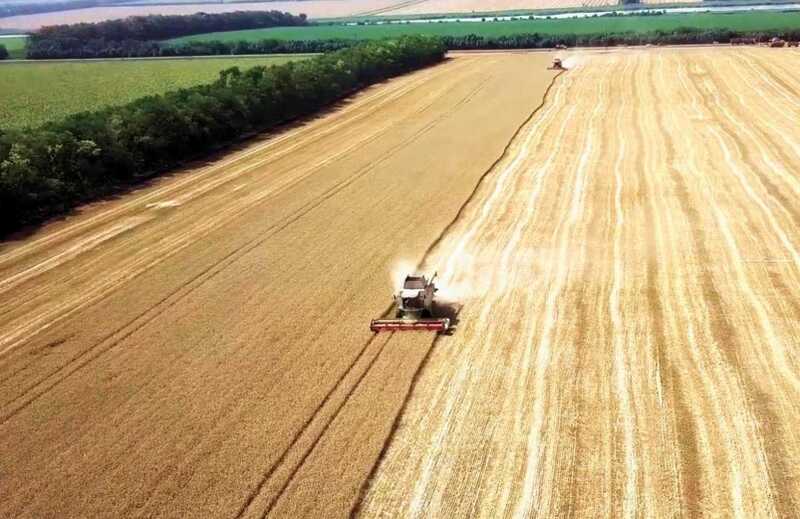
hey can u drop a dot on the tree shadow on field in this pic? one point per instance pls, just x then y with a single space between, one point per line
108 194
142 182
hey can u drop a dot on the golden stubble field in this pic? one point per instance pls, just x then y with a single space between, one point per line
629 344
628 271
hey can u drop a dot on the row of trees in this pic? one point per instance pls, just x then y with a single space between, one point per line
56 49
678 36
49 169
136 35
269 46
162 27
139 49
130 48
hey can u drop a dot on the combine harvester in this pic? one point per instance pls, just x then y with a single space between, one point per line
414 304
557 65
776 43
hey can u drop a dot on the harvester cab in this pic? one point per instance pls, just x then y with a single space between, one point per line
414 308
557 65
416 297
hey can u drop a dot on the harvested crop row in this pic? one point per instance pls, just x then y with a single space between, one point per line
629 275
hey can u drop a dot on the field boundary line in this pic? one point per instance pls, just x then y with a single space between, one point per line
274 501
486 173
356 510
470 95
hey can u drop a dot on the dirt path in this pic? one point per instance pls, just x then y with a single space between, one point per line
201 347
629 339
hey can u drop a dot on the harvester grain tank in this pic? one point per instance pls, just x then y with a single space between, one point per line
414 308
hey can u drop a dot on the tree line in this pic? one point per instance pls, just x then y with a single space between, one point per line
3 52
49 169
679 36
137 35
684 35
148 49
267 46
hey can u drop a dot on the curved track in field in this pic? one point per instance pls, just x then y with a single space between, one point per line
629 341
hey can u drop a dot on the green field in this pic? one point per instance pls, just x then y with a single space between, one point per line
737 21
34 93
15 47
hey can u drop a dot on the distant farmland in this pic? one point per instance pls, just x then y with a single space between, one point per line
15 46
737 21
34 93
313 8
